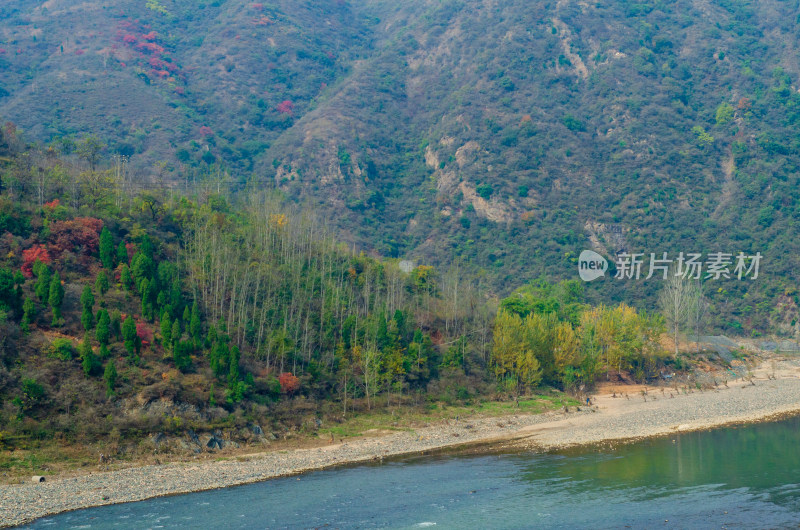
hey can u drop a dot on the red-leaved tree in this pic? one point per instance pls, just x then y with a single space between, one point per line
79 235
289 383
131 249
286 107
29 257
144 333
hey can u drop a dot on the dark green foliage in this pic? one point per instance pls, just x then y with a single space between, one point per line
101 283
87 319
43 277
147 292
103 331
166 330
106 249
175 332
195 325
89 361
56 297
87 305
181 355
87 297
573 124
218 357
110 377
485 191
122 254
10 299
28 314
116 324
125 278
132 341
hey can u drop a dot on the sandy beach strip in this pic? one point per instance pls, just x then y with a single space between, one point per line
661 411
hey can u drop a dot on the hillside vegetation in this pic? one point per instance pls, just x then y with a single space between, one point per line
128 314
507 136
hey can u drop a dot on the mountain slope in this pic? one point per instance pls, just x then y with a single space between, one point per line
510 135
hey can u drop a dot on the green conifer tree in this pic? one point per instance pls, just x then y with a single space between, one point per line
166 330
87 303
101 283
110 377
106 249
103 331
89 361
56 297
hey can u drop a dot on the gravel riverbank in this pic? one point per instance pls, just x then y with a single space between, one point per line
611 418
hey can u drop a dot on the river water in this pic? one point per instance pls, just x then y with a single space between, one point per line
738 477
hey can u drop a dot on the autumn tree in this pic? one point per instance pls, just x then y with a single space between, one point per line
30 256
289 383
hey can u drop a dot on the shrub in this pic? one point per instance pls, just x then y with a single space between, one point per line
485 191
62 349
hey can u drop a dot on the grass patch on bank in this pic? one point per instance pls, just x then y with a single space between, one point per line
410 418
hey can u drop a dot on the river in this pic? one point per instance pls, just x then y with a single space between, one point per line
746 477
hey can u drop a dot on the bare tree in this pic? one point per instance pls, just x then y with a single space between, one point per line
673 300
696 310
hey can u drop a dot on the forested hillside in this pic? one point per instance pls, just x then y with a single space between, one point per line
126 313
504 136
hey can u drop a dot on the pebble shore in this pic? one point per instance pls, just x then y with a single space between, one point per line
610 419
